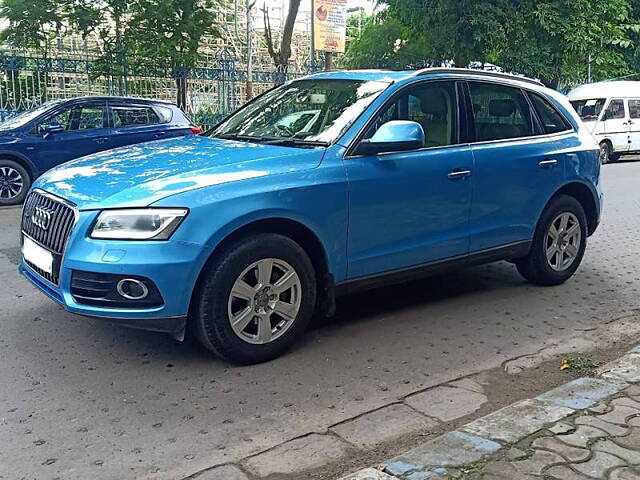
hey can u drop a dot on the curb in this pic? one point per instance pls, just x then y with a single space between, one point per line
495 432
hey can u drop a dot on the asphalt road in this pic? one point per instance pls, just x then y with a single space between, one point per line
80 398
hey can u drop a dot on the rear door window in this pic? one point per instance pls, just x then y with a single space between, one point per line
552 120
134 116
500 112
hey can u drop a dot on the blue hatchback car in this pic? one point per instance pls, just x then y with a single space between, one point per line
58 131
325 185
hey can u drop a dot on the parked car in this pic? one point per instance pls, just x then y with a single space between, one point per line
55 132
243 236
611 110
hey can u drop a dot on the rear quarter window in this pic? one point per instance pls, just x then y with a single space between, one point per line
552 121
164 114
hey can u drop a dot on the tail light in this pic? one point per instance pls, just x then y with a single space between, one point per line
195 130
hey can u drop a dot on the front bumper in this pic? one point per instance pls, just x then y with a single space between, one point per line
172 266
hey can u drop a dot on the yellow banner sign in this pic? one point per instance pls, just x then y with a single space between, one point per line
329 25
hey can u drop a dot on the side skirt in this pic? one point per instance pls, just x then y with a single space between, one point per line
505 252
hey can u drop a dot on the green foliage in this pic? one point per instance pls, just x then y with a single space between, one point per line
383 43
30 22
549 39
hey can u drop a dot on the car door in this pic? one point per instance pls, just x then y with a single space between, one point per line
615 124
85 131
519 162
634 124
137 123
410 208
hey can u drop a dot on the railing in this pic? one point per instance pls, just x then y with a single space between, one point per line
213 90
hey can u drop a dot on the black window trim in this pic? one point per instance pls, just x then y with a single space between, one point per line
571 128
465 110
349 154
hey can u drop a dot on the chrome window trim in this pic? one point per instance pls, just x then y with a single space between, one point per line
348 155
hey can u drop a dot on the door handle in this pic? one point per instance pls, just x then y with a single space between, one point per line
548 163
101 140
458 174
159 134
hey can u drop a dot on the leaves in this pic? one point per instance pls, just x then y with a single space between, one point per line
548 39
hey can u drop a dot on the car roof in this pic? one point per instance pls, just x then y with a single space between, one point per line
393 76
120 99
619 89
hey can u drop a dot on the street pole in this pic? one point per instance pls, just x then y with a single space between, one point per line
328 60
589 70
312 52
249 83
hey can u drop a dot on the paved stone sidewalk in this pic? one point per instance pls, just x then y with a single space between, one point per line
583 430
602 442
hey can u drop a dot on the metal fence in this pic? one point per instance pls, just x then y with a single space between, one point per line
213 89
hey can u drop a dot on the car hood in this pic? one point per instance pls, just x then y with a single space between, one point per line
139 175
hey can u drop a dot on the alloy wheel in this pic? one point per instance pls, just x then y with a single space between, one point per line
264 301
11 183
562 243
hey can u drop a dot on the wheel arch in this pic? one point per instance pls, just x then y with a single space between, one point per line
583 194
22 160
293 229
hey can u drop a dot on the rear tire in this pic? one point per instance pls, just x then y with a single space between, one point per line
265 286
558 244
15 182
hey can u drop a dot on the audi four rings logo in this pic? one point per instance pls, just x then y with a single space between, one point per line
41 217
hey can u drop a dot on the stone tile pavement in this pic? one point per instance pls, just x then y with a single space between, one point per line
587 429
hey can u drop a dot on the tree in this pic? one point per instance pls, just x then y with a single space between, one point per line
281 55
171 31
31 23
554 40
384 43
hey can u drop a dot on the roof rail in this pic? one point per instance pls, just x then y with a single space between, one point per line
480 73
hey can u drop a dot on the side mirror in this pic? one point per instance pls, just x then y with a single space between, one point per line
393 136
51 128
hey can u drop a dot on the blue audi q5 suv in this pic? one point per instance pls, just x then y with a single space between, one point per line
327 184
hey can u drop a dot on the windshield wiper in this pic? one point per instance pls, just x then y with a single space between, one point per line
296 142
244 138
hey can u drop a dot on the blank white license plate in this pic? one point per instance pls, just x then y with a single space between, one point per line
36 255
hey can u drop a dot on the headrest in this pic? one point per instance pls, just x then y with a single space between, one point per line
502 108
434 103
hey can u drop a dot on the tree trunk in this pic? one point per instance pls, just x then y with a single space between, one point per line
282 55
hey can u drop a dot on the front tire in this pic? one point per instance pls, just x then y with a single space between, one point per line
256 299
14 182
558 244
606 153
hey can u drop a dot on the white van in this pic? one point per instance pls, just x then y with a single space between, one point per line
612 111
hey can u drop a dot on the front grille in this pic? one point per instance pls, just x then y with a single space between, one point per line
50 227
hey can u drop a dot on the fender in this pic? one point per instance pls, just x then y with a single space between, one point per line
24 160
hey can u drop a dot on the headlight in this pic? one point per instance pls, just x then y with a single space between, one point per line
138 223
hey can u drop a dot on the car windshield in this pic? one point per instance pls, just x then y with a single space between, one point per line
589 109
25 117
311 112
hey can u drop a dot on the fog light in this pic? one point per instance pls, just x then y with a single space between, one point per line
132 289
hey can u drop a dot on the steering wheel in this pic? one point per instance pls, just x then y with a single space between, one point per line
288 131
